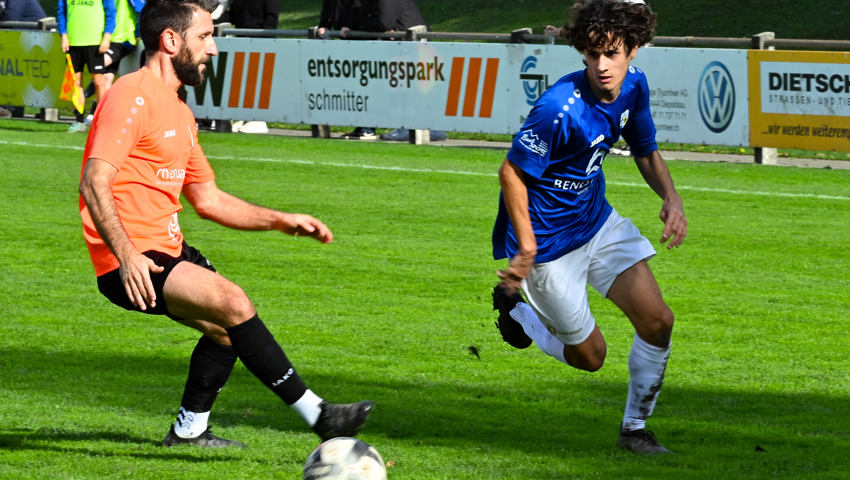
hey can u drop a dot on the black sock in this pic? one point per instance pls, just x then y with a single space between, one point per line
93 106
264 357
209 369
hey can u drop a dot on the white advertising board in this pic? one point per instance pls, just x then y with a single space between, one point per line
698 96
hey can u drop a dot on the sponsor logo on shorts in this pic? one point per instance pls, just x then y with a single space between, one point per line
557 333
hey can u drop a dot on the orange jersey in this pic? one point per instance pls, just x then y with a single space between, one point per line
145 131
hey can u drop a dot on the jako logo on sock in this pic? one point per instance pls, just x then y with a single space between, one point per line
284 378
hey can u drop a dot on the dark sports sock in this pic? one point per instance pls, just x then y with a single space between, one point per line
264 357
209 369
93 106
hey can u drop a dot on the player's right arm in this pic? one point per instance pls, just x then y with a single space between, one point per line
135 268
515 196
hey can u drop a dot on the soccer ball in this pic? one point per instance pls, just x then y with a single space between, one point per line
345 458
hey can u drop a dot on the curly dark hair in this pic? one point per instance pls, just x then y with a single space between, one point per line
596 22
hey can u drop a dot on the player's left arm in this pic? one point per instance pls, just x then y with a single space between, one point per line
657 176
214 204
109 25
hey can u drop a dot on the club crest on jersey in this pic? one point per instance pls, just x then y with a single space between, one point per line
532 142
624 118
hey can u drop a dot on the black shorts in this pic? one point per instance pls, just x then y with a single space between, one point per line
112 288
87 56
116 52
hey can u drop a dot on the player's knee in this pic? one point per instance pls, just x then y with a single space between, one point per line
237 306
587 364
218 335
589 361
659 327
594 365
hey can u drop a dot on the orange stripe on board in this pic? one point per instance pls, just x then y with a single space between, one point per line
266 85
251 80
471 87
490 74
236 79
454 86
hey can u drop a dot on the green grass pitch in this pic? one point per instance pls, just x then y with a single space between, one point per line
757 385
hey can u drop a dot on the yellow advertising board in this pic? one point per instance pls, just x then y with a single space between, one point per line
31 68
800 99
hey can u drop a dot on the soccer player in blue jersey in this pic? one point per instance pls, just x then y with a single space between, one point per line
558 229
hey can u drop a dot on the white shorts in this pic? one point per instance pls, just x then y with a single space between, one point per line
557 290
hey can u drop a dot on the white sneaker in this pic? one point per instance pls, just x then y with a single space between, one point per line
623 151
89 118
236 125
254 126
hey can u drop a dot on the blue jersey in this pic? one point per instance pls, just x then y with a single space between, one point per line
560 148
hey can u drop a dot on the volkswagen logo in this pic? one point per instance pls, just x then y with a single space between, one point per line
716 97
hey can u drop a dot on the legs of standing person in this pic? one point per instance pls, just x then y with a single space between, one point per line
79 117
100 86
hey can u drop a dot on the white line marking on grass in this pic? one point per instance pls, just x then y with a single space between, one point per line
363 166
479 174
476 174
40 145
740 192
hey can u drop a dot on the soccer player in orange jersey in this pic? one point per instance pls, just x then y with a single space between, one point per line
142 153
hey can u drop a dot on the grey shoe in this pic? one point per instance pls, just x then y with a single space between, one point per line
438 135
205 440
510 329
397 135
341 420
640 441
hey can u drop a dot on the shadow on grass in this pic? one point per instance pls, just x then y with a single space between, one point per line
70 441
552 410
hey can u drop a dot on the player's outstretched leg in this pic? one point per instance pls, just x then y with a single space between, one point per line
341 420
511 330
264 357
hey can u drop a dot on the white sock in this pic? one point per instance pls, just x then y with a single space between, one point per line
190 424
308 406
647 364
534 328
